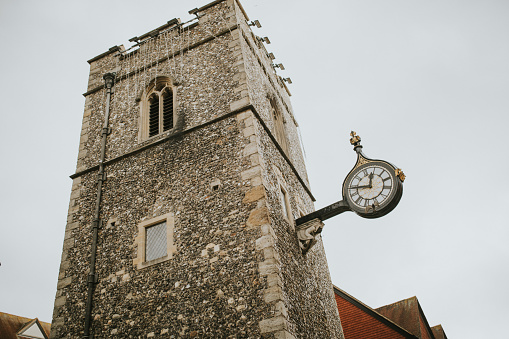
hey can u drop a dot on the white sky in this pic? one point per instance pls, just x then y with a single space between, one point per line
424 83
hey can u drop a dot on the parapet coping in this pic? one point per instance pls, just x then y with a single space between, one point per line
213 3
168 24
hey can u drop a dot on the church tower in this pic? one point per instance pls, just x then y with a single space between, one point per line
189 178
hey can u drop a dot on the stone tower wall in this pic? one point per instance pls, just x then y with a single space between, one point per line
263 83
236 270
299 287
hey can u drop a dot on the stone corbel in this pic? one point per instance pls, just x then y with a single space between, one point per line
308 232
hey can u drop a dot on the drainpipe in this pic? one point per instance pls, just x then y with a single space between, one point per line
109 79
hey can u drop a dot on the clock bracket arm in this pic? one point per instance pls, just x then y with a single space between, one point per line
309 226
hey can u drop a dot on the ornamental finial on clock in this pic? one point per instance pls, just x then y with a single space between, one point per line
355 140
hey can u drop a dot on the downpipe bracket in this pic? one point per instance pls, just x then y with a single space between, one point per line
96 224
92 279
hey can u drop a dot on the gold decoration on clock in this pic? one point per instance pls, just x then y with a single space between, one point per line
355 138
361 161
400 174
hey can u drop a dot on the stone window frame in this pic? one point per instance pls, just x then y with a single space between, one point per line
279 122
285 204
156 87
284 198
140 241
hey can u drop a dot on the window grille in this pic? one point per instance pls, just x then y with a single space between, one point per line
167 110
156 246
154 116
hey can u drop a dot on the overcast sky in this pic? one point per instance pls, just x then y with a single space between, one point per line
424 83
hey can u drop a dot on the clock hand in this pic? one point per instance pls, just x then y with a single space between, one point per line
370 180
365 186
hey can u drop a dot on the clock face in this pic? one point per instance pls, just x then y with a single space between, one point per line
372 189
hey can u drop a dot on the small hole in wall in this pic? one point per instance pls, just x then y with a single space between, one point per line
215 185
112 224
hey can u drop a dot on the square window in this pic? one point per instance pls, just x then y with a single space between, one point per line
154 243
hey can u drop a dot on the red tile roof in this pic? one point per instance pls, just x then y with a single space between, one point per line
360 321
400 320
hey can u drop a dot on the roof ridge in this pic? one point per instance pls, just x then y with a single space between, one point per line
399 301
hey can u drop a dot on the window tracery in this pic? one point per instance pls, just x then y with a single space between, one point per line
158 108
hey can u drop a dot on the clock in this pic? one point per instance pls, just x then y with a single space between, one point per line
373 188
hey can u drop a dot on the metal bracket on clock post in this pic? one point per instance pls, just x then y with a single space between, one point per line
309 226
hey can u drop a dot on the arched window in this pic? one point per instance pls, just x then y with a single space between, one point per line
157 108
279 127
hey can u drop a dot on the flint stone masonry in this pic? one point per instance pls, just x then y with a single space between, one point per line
236 269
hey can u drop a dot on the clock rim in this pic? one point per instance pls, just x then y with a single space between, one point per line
392 200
